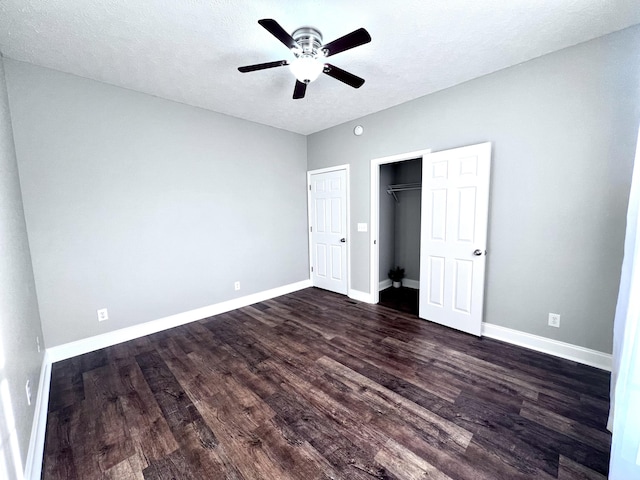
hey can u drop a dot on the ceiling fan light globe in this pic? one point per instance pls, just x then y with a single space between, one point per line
306 69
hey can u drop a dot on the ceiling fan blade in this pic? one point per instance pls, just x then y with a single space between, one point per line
299 90
350 40
342 75
277 31
262 66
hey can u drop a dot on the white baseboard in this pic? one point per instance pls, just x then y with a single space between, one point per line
564 350
33 467
86 345
406 282
360 296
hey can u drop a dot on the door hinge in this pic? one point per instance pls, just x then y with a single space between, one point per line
311 229
309 187
312 269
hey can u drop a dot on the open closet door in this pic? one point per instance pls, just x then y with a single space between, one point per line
455 209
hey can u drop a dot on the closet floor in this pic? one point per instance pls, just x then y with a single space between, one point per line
402 299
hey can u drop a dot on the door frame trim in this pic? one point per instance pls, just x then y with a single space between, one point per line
374 220
346 168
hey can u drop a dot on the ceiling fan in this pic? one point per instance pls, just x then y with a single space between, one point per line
306 45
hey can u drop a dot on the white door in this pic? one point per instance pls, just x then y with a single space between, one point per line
455 209
328 230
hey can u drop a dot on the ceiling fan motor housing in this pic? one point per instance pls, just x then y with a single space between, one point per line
310 41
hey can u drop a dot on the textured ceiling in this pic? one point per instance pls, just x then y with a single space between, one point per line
189 50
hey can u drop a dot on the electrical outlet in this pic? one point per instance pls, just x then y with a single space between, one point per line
236 286
38 343
27 388
103 315
554 320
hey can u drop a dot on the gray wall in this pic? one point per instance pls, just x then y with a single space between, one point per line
149 207
407 220
563 128
19 318
387 220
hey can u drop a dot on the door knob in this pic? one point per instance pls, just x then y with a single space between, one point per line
478 252
343 240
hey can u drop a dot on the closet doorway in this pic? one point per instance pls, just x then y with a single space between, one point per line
399 225
453 231
395 227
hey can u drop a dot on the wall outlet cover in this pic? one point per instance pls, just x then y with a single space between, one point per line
103 314
554 320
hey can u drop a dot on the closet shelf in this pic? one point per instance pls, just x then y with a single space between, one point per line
402 187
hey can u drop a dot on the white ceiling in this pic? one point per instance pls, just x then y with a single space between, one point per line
189 50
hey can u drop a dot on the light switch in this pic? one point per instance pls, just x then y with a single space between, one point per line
362 227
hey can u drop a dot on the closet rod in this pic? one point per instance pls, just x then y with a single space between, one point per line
402 187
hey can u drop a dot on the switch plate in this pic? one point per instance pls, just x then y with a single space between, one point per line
554 320
362 227
103 315
236 286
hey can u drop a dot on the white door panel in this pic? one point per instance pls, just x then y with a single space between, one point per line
328 230
455 204
321 260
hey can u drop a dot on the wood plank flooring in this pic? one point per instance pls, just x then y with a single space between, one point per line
313 385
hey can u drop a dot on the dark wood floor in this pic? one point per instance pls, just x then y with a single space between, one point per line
313 385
